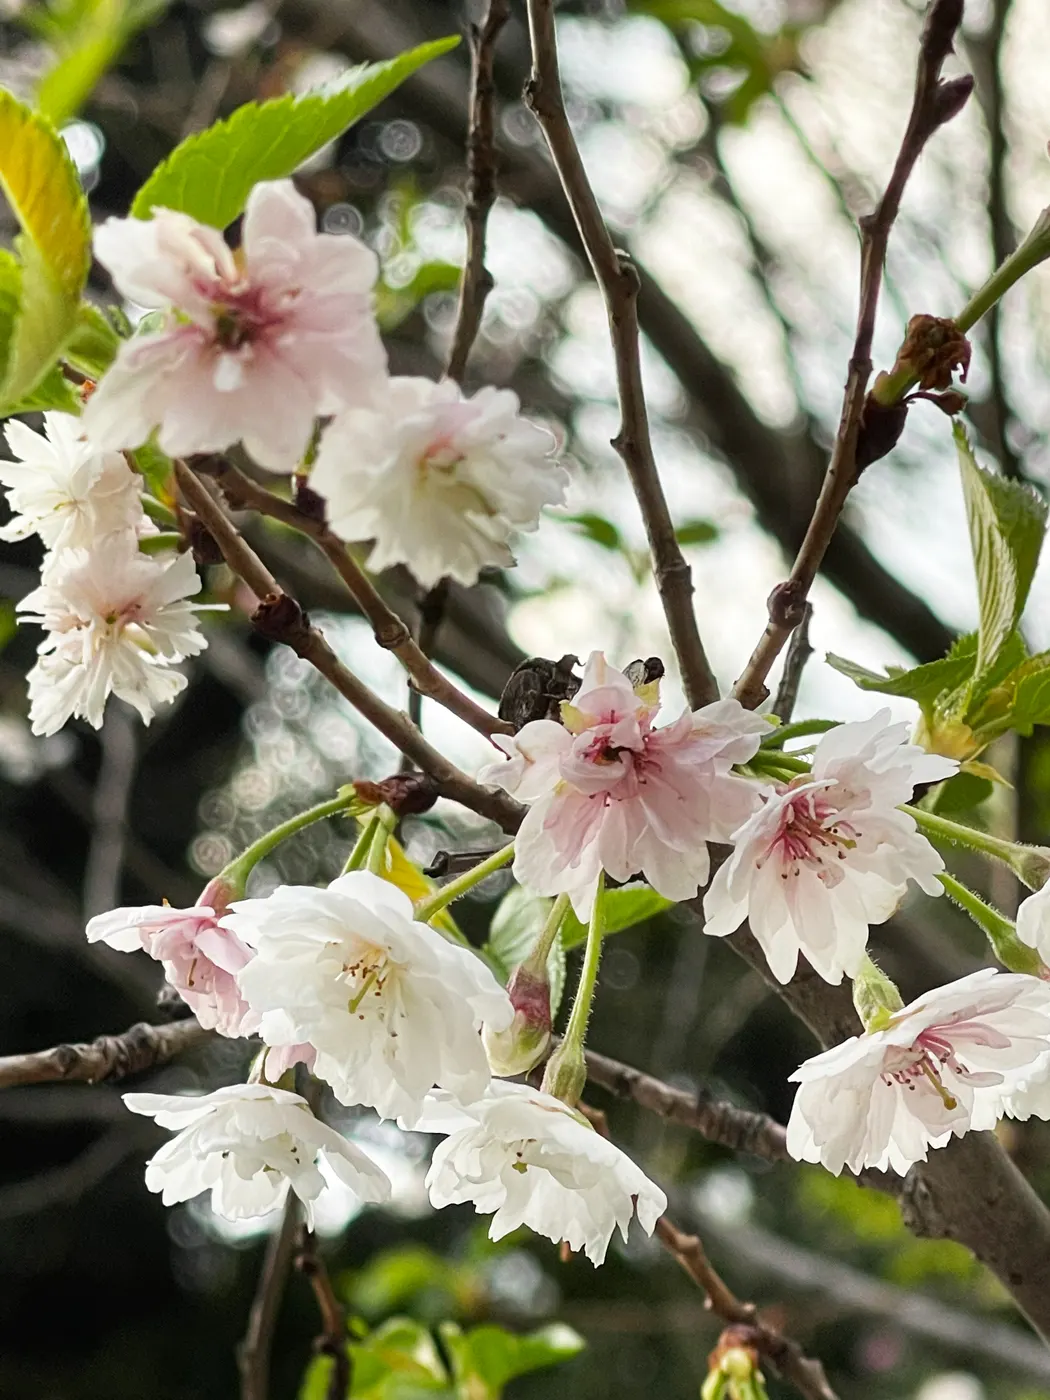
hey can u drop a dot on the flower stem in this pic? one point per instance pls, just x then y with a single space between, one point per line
537 959
777 738
236 873
1000 931
1031 864
382 826
359 851
434 903
160 543
566 1071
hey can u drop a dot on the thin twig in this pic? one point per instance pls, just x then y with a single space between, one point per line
109 811
431 616
253 1354
804 1372
332 1341
935 102
619 282
481 183
798 654
389 630
109 1057
280 618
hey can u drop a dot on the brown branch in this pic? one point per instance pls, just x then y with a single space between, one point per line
799 653
619 281
481 183
389 630
253 1354
718 1121
332 1341
935 102
431 615
804 1372
279 618
109 1057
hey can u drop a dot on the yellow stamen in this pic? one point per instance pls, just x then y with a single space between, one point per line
946 1098
366 987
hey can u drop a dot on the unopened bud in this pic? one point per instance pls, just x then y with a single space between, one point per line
876 998
734 1372
566 1074
406 794
524 1043
1031 865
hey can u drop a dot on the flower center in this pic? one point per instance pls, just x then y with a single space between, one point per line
924 1060
366 977
809 834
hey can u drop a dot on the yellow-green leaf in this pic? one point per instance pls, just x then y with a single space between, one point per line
85 49
210 175
54 247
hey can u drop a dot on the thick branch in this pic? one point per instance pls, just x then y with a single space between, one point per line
935 102
620 283
389 630
109 1057
280 618
481 183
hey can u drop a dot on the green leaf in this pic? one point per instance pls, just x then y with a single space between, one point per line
921 683
93 346
486 1358
696 532
1007 523
54 246
87 42
53 392
624 907
1031 702
156 468
210 174
10 295
515 926
962 793
598 529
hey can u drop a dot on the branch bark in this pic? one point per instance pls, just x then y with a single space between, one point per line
935 102
254 1352
620 284
109 1057
280 618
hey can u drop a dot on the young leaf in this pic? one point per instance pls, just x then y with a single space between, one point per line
86 49
54 247
624 907
1007 523
93 346
921 683
598 529
485 1359
515 926
696 532
53 392
210 174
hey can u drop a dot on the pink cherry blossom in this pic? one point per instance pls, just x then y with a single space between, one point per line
201 959
830 853
254 345
944 1065
610 792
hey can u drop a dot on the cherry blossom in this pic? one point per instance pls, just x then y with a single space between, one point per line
117 621
253 345
944 1064
390 1006
201 959
526 1158
438 481
62 488
608 791
248 1144
829 853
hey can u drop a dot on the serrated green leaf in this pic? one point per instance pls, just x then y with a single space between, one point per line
624 907
485 1359
922 683
1007 523
210 174
54 246
93 346
596 528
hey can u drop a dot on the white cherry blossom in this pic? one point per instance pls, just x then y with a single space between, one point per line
609 791
438 481
117 621
247 1145
390 1006
254 344
63 488
944 1064
830 853
526 1158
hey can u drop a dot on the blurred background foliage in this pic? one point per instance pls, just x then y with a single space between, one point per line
732 145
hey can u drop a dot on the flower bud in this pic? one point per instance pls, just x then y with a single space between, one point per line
734 1372
566 1073
524 1043
876 998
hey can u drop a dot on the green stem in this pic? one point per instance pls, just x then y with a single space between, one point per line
158 511
1021 859
537 960
576 1030
236 873
359 852
778 737
434 903
161 543
999 930
382 829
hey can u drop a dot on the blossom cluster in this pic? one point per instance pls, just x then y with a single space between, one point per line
116 618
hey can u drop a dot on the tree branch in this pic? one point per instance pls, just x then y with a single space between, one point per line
620 284
481 183
332 1341
799 653
253 1354
280 618
389 630
109 1057
935 102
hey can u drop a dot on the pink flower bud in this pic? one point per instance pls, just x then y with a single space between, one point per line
524 1043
